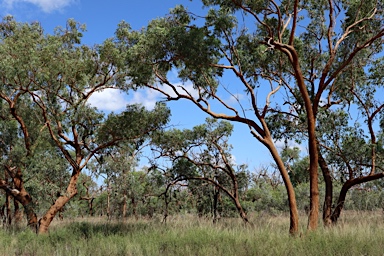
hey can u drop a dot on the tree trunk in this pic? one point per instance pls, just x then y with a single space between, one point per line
134 207
90 206
346 186
327 207
166 207
26 200
23 197
109 201
236 198
293 212
17 214
340 202
314 197
241 211
124 210
8 216
293 56
89 199
59 203
216 194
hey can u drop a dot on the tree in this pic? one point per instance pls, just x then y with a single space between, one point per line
202 153
16 150
354 152
117 165
59 75
295 46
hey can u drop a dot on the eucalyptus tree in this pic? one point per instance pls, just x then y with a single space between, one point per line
117 165
300 48
16 147
129 189
349 137
352 143
59 75
202 153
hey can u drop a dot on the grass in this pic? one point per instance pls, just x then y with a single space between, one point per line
356 234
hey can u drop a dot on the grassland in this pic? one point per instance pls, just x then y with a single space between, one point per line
356 234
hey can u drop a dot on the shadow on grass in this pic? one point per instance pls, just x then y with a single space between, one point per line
87 230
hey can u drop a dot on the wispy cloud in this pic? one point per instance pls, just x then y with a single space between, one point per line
108 100
45 5
235 98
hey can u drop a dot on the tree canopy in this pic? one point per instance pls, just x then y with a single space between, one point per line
293 60
302 71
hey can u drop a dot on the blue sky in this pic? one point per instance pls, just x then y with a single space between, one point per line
101 19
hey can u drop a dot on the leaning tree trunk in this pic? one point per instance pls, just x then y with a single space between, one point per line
60 202
340 202
241 211
346 186
293 212
236 198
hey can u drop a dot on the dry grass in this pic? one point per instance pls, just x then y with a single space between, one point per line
358 233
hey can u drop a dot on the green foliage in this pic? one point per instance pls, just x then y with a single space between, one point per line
297 166
201 159
135 122
49 125
47 80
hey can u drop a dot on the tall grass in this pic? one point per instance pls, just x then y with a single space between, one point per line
356 234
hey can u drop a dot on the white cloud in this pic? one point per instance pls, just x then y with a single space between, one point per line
188 87
280 144
114 100
148 97
108 100
145 97
46 5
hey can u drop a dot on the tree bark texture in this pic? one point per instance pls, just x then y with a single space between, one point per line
71 191
25 199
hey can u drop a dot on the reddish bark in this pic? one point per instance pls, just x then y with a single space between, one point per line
343 192
293 212
25 199
71 191
22 196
